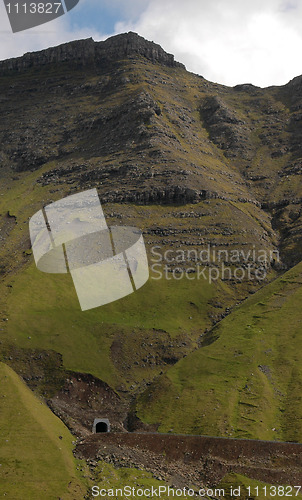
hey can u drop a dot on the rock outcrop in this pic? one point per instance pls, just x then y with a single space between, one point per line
85 52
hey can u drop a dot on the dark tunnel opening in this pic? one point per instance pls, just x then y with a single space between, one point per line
101 427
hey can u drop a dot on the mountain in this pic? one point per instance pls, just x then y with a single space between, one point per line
198 167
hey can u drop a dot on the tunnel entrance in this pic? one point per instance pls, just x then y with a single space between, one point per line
101 425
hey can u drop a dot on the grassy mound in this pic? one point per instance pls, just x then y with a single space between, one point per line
36 448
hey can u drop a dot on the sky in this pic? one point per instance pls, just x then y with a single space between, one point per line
225 41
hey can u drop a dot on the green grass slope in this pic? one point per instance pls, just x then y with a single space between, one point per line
36 448
247 379
43 313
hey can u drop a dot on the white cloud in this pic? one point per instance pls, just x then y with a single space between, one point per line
233 41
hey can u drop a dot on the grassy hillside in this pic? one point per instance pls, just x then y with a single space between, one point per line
43 310
36 454
43 313
36 448
246 380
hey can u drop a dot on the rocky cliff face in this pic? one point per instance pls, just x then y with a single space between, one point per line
136 125
85 52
